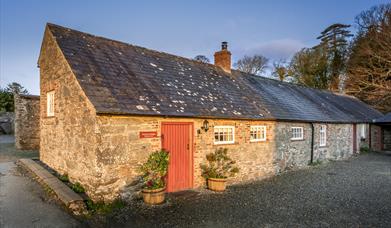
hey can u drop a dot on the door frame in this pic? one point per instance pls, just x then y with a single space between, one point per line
191 143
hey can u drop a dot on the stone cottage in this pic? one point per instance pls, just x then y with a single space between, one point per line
105 105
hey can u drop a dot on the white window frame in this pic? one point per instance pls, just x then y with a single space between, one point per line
323 135
256 128
219 129
50 103
293 133
363 129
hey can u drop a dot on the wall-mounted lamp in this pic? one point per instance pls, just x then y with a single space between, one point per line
205 125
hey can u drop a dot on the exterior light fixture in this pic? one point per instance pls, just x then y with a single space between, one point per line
205 125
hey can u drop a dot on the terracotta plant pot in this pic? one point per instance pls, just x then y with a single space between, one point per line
217 184
155 196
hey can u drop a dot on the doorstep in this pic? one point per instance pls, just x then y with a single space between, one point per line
69 198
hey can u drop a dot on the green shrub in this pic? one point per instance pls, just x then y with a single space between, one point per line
315 163
155 170
365 149
104 208
64 178
78 188
219 165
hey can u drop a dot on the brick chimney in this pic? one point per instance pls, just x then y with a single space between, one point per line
223 58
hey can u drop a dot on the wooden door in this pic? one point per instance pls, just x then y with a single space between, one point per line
177 139
354 138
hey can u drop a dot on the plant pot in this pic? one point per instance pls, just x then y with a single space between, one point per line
217 184
154 196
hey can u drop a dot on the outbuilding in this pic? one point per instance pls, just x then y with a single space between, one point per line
106 105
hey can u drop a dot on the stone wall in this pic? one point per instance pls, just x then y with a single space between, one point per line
68 139
339 142
7 123
297 153
292 153
27 134
121 151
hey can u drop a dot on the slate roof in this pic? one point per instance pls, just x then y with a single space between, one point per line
384 119
120 78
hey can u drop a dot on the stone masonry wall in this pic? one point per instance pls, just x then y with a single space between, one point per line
339 142
297 153
292 153
68 139
121 151
27 122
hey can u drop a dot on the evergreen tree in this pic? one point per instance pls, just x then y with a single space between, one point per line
335 40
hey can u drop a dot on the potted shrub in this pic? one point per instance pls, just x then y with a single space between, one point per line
154 173
218 168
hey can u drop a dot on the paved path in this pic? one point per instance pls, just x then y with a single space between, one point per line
23 202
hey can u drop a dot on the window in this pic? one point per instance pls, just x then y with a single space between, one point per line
297 133
322 135
257 133
363 134
224 134
50 103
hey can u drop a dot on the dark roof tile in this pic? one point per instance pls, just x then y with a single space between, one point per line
120 78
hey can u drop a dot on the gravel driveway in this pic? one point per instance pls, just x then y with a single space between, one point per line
351 193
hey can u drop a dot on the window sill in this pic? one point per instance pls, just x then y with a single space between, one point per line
297 140
222 144
258 141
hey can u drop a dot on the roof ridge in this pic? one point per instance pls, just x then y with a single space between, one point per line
137 46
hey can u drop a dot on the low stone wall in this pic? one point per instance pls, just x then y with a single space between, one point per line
27 122
7 123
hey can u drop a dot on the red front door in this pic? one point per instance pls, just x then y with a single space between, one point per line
177 139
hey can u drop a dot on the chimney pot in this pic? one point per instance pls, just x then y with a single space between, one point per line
223 58
224 45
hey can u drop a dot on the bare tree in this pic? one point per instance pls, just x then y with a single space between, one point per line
202 59
369 66
256 64
281 70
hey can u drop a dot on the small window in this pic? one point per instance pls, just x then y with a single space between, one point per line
322 135
363 134
224 134
50 103
297 133
257 133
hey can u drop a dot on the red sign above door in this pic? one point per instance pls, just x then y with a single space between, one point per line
148 134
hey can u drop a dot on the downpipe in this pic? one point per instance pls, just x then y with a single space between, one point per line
312 143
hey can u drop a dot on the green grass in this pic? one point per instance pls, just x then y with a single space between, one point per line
104 208
316 163
64 178
78 188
